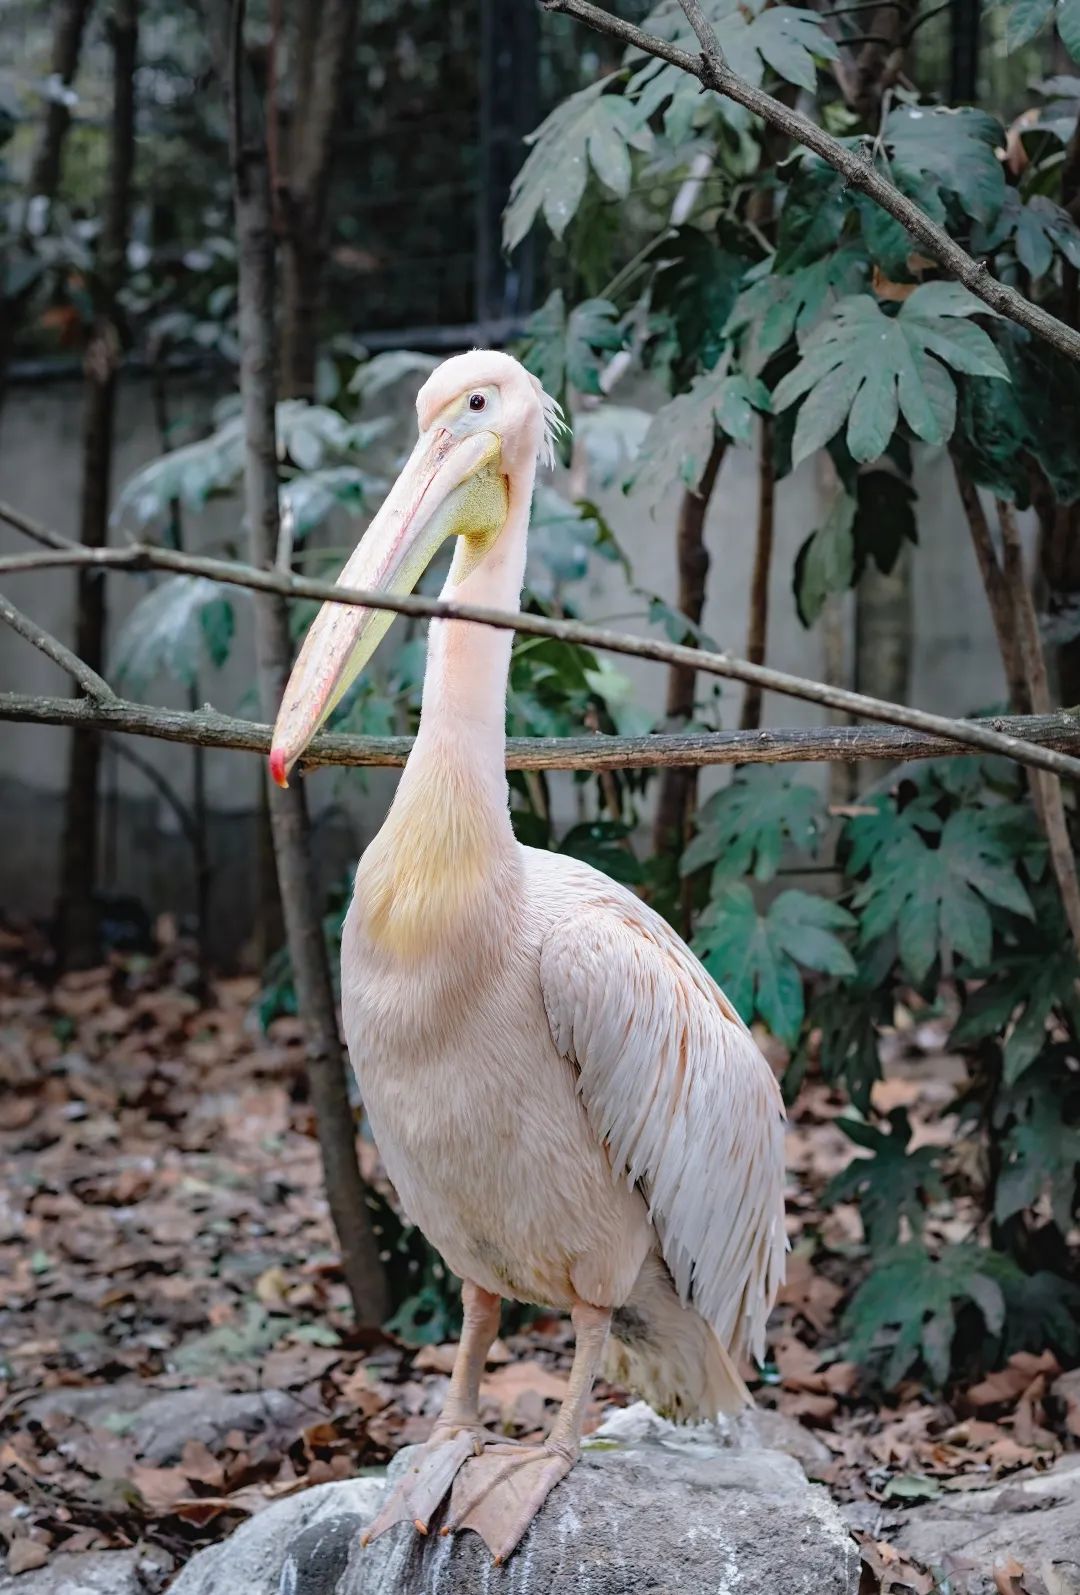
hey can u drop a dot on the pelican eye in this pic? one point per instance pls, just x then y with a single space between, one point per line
477 401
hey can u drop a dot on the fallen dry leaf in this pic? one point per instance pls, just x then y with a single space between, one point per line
1007 1572
26 1554
1009 1383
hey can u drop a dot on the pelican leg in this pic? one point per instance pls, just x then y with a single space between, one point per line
500 1492
457 1435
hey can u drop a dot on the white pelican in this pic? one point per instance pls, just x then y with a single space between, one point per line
566 1102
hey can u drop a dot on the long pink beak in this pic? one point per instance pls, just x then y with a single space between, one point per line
416 517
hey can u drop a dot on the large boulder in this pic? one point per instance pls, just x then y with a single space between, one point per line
649 1508
1033 1520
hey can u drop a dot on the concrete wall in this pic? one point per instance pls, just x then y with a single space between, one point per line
956 667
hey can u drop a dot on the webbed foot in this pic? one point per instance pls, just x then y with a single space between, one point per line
419 1494
498 1493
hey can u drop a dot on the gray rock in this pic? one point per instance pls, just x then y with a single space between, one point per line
139 1572
1036 1519
649 1510
161 1422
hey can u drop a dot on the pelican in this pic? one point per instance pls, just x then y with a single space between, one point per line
567 1104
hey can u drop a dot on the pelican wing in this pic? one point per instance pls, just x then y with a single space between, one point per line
676 1087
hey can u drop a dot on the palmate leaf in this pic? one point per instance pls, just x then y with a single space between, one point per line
172 631
891 1184
1038 230
788 39
591 129
756 957
1041 1154
907 1305
680 436
566 351
1036 980
746 826
950 151
937 157
190 475
782 305
938 898
1027 18
866 368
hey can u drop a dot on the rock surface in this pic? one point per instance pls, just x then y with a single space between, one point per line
650 1508
1034 1519
161 1423
140 1572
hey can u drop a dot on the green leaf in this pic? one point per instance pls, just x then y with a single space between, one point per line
786 38
620 699
307 499
867 368
1041 1153
385 371
680 437
591 128
779 306
564 351
826 561
747 825
695 286
907 1306
884 518
171 629
190 475
755 957
1027 18
814 211
948 152
938 898
889 1186
605 845
1038 230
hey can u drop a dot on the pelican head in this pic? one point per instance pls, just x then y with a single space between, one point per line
483 421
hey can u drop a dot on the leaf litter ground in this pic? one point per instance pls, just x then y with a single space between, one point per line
176 1350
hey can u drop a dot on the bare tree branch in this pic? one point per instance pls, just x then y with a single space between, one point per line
1050 800
34 529
208 728
971 733
89 680
712 72
758 626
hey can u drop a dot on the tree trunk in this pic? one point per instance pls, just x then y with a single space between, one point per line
678 789
77 915
758 630
45 166
288 811
884 624
71 18
328 31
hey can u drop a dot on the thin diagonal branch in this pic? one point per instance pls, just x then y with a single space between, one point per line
713 73
89 680
34 529
1051 803
142 556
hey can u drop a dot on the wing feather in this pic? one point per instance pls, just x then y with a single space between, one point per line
676 1087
